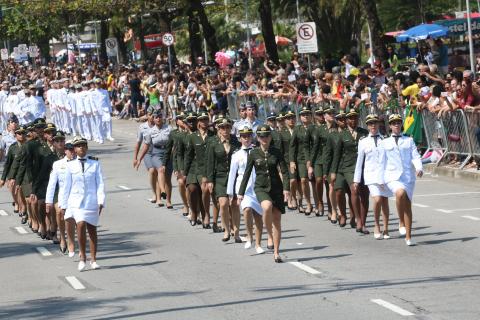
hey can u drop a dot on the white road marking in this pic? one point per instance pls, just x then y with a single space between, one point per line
75 283
471 218
446 194
444 211
21 230
467 209
43 251
392 307
299 243
3 213
304 267
420 205
124 187
425 180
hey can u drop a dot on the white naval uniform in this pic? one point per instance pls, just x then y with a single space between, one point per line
52 102
84 191
104 107
28 110
400 163
235 177
57 177
72 103
369 158
11 103
3 115
97 111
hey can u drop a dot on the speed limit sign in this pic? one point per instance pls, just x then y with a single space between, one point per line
168 39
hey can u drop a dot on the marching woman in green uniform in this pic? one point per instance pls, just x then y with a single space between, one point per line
8 172
344 161
316 141
298 155
276 139
267 159
286 134
219 157
196 170
175 153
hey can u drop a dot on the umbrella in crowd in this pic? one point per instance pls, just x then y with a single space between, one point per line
422 32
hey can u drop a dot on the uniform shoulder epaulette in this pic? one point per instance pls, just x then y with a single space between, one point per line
92 158
363 137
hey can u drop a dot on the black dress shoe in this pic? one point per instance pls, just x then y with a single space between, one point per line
353 224
163 195
359 230
193 223
365 232
24 220
63 249
278 260
199 221
270 247
169 207
43 236
342 225
35 230
226 239
333 221
185 214
238 240
206 226
215 228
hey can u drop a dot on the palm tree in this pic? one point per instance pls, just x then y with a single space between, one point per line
265 10
370 8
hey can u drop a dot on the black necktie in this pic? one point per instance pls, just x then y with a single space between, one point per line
375 137
82 161
396 139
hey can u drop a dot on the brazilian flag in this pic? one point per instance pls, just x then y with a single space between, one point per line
412 126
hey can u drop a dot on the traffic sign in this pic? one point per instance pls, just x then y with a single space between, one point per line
168 39
306 37
4 54
22 49
112 47
33 51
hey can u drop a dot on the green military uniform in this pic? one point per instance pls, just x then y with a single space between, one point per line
316 141
330 145
195 159
171 149
29 162
218 164
13 151
298 150
277 140
267 180
286 136
40 183
345 156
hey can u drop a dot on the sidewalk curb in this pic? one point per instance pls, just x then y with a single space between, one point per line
470 174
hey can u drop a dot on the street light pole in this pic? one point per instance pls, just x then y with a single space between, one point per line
470 40
248 36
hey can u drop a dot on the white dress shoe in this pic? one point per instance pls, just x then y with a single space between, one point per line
377 236
71 254
386 236
94 265
402 231
410 242
81 265
259 250
248 245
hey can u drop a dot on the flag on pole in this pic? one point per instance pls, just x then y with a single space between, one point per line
412 126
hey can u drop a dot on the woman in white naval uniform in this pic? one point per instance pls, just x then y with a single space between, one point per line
83 198
367 170
56 184
250 206
401 165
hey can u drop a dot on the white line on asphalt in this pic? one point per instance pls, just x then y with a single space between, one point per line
446 194
420 205
392 307
471 218
3 213
21 230
444 211
299 243
304 267
75 283
467 209
124 187
425 180
43 251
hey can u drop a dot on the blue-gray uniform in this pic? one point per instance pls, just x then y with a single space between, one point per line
157 138
142 130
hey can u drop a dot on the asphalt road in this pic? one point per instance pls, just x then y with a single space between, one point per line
156 266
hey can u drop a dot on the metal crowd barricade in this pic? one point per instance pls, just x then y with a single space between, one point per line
473 128
434 131
457 136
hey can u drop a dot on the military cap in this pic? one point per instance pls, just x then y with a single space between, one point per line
394 117
219 118
13 88
69 145
250 104
224 122
242 106
245 130
50 127
272 116
341 115
305 110
13 118
280 116
30 126
352 113
264 130
289 114
180 116
39 123
329 109
78 140
371 118
203 115
157 113
191 116
59 135
319 110
21 130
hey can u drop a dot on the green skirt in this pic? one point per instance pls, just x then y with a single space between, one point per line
275 197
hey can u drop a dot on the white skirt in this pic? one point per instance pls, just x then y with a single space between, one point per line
251 202
89 216
398 184
376 191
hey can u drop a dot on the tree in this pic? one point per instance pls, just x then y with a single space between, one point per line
370 9
265 11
